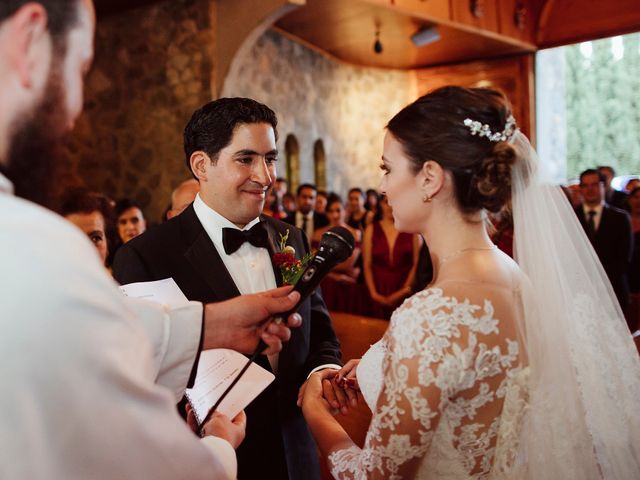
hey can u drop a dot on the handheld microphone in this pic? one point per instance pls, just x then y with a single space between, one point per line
336 245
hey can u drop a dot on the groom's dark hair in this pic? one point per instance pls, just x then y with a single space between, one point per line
211 126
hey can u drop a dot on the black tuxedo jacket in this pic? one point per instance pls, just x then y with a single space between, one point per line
613 244
278 443
320 220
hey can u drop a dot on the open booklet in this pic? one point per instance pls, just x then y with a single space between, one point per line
217 368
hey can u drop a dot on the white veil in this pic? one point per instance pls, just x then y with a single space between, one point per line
584 414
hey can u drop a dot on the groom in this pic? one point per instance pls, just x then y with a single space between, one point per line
230 147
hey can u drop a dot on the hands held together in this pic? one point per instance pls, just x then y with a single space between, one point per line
331 390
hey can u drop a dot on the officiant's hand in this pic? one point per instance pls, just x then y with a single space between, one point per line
231 430
241 322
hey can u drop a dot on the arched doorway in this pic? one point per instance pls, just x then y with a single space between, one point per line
320 165
292 152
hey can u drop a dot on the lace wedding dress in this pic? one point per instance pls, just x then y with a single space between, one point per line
464 386
447 386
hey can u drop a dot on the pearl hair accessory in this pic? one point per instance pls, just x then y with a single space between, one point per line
481 130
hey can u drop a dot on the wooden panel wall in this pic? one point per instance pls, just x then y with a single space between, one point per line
514 76
570 21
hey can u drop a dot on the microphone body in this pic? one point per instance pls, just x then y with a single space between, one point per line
336 246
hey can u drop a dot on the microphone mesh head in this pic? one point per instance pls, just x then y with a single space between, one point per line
338 242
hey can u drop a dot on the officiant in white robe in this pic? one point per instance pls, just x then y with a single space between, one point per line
77 368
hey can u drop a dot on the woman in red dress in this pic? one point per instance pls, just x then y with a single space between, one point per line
390 259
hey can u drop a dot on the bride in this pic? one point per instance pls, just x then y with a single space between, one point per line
498 369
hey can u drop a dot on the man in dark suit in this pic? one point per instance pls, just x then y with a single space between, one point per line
305 218
220 247
613 198
609 230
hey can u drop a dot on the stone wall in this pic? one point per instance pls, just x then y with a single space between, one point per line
318 98
153 67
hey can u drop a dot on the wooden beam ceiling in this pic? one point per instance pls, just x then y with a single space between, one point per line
345 29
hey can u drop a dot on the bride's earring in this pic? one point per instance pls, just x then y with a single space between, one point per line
426 198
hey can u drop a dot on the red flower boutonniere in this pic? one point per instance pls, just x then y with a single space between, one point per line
290 266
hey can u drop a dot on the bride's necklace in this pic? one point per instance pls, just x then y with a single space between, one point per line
457 253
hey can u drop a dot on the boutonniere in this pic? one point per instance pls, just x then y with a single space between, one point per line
291 267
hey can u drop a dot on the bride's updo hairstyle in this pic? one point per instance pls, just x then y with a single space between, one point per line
434 128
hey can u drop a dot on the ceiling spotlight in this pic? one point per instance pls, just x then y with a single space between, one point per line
377 45
425 36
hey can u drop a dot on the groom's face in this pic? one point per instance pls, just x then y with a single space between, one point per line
237 181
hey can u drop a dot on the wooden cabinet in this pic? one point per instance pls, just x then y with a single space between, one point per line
513 75
477 13
516 19
429 9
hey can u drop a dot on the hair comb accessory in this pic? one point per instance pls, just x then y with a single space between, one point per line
481 130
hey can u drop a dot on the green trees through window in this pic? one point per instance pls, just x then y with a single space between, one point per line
603 104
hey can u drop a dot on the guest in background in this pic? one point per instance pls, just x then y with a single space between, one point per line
347 270
280 187
359 217
130 219
501 230
372 201
609 230
92 213
575 195
272 207
305 218
631 184
390 259
288 203
182 197
634 268
321 202
613 197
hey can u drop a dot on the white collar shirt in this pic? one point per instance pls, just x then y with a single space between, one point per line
250 267
597 217
300 222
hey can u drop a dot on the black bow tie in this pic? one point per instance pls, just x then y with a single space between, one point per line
232 238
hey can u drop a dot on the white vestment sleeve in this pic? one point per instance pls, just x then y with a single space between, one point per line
224 454
78 370
174 334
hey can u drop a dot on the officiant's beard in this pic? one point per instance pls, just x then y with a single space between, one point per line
35 145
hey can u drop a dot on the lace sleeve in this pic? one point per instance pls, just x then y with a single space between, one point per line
433 355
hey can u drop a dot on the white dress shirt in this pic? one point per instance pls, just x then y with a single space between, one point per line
300 223
597 217
250 267
79 362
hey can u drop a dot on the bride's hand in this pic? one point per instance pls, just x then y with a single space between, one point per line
348 379
312 392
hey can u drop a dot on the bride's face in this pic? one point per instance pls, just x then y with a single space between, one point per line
401 186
